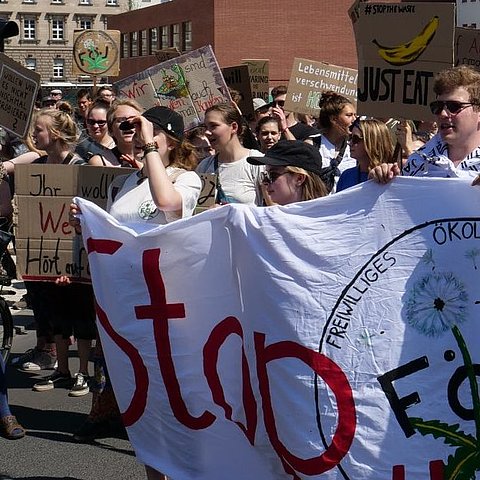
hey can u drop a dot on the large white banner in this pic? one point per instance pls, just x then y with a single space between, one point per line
334 339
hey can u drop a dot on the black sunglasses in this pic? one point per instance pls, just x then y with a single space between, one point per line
100 123
271 177
279 103
451 106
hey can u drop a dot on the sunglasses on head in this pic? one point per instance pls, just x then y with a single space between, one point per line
451 106
100 123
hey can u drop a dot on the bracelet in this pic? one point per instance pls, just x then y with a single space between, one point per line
149 148
149 145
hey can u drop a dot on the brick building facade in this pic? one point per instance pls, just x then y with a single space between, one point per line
279 31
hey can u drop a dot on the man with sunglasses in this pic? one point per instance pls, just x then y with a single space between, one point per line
454 152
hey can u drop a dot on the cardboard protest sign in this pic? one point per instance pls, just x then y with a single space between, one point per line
18 93
310 348
188 84
96 52
396 65
467 47
259 77
208 194
238 78
47 245
309 79
167 54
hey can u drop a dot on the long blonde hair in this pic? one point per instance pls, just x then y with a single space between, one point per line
61 125
377 141
312 187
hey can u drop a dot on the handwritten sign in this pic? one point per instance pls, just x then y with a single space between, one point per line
309 79
396 65
259 77
95 52
467 47
167 54
47 245
238 78
188 84
18 92
208 194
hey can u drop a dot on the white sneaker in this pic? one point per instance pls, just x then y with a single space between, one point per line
80 385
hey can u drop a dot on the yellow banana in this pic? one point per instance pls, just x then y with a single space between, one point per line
408 52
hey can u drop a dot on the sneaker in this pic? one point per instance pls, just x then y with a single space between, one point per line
80 385
91 430
35 359
55 380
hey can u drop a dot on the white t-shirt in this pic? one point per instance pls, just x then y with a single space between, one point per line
239 180
432 160
134 203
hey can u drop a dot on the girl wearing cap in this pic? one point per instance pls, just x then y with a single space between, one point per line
237 180
370 144
292 172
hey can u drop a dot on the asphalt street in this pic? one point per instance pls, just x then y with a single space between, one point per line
48 451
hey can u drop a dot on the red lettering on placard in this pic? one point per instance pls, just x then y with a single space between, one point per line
160 312
217 338
54 225
336 380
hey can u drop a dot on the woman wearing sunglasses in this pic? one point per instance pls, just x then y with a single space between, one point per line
370 144
292 172
96 148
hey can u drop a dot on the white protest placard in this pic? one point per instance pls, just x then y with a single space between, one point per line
396 65
188 84
18 92
330 339
309 79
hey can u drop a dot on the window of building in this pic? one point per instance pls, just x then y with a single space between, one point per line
58 30
58 68
133 44
85 24
142 48
165 39
176 36
58 2
153 41
85 2
187 36
473 25
124 45
29 1
29 29
31 63
112 3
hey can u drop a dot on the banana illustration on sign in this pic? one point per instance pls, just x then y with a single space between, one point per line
408 52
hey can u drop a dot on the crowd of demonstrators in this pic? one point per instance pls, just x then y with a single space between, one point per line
268 132
370 145
198 138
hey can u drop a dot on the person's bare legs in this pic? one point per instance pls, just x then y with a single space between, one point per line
62 345
154 475
84 347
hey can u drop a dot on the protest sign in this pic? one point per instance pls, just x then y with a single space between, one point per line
47 245
188 84
309 79
259 77
96 52
396 66
327 339
238 79
467 47
208 194
167 54
18 93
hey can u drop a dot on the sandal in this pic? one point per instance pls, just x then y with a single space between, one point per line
10 428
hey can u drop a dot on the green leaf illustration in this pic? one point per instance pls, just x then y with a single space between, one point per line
462 465
450 433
